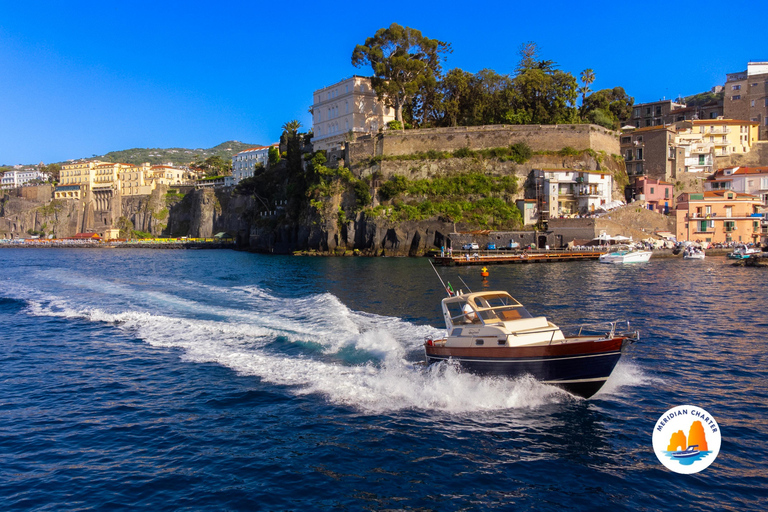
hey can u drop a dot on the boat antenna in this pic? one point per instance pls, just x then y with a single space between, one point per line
448 289
465 284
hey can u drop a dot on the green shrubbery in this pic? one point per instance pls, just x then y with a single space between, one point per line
449 197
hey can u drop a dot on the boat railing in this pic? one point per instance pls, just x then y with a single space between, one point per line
607 329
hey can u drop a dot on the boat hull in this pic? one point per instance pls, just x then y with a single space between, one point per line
579 367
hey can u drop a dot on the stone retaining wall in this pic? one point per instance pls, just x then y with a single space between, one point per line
537 137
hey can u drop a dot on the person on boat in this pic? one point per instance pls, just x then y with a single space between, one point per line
469 314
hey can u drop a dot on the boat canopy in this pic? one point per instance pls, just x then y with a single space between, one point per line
482 307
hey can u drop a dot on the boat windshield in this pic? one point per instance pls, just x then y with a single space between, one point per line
490 308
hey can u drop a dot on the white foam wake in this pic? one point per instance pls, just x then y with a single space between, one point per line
361 360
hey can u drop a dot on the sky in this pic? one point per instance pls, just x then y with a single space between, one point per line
82 78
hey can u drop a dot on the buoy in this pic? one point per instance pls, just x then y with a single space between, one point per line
484 272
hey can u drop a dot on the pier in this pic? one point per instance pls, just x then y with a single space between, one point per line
500 258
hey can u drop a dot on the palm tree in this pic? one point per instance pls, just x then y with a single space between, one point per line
291 127
587 77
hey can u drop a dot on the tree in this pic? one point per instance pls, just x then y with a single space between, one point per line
293 145
403 62
543 94
216 166
273 156
52 170
587 77
607 107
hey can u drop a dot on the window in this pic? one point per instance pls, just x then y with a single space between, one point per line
658 110
666 193
737 97
647 111
736 87
640 153
752 103
626 140
652 191
637 112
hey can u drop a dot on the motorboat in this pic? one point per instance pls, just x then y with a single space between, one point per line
491 333
743 252
692 253
625 255
691 451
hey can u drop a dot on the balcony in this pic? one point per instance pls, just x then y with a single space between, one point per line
719 130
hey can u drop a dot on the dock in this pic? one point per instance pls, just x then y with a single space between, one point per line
503 258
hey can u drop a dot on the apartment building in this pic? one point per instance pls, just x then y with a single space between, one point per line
651 152
244 163
169 175
746 96
20 177
658 194
663 152
718 216
657 113
561 192
744 180
347 106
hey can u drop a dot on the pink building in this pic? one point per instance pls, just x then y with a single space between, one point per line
656 193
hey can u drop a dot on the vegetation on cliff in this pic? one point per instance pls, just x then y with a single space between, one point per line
475 198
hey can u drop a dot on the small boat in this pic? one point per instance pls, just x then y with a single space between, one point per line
694 254
491 333
691 451
743 252
625 255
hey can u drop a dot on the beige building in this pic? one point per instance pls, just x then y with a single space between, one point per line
562 192
136 180
746 96
349 106
168 175
719 216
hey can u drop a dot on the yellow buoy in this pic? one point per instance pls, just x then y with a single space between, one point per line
484 272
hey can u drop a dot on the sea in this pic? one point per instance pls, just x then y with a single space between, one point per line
216 380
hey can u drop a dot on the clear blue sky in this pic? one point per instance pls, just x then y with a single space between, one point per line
80 78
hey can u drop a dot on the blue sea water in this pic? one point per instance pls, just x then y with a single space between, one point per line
219 380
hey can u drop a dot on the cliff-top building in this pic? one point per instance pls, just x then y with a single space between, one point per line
244 163
349 106
746 96
20 177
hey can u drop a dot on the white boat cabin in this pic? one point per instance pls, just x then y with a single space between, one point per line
493 319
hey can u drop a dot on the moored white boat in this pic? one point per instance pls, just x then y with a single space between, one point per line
491 333
692 253
625 255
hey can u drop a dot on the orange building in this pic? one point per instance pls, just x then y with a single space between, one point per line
718 216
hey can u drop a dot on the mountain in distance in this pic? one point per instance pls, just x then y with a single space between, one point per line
176 156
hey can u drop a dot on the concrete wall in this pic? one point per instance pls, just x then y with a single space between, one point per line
537 137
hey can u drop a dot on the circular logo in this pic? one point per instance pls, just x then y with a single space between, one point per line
686 439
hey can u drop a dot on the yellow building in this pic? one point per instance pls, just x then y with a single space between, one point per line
726 136
167 175
136 180
718 216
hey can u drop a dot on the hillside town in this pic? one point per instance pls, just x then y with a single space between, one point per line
702 168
